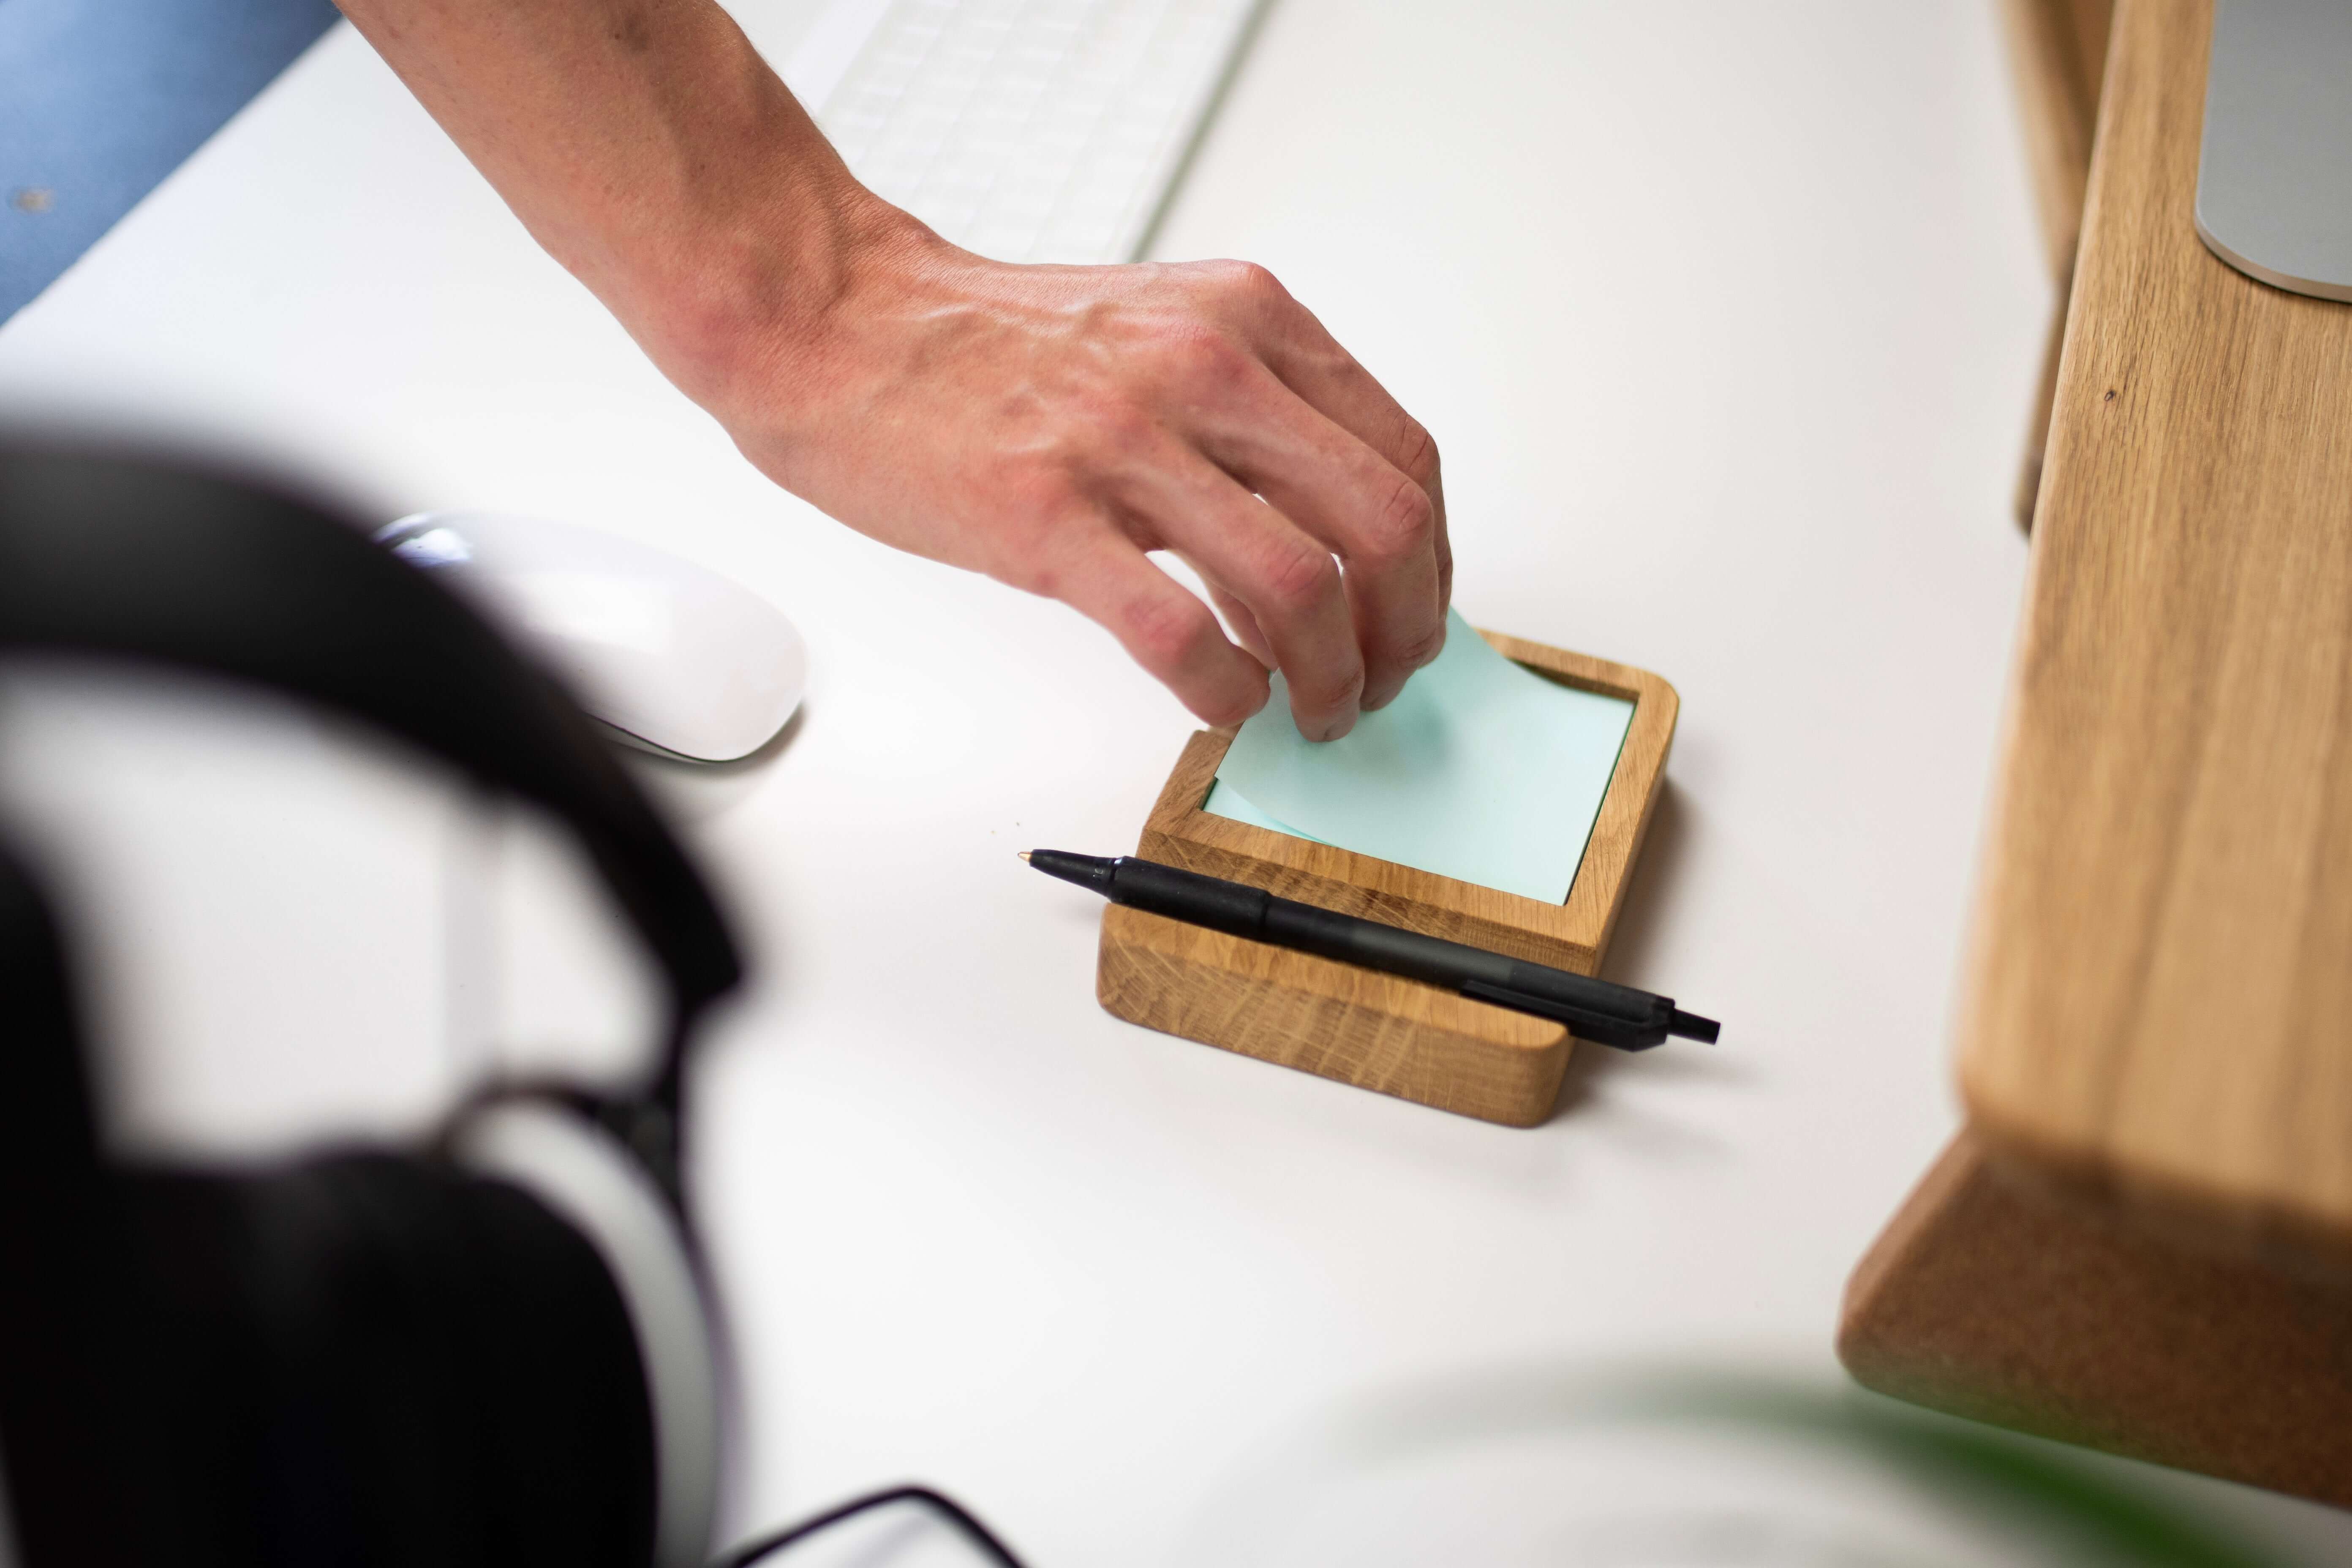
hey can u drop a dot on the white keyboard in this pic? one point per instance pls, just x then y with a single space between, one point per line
1025 129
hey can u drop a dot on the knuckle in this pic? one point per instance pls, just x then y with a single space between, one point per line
1037 504
1163 631
1253 282
1419 651
1035 508
1242 290
1116 435
1405 525
1299 577
1334 691
1203 358
1040 485
1023 553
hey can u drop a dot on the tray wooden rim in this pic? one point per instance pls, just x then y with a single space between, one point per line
1581 923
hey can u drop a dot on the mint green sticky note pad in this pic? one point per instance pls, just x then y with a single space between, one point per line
1480 771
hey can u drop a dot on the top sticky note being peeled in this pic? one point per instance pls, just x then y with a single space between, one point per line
1480 771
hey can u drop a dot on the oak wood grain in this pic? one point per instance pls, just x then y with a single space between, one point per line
1354 1025
1358 1025
2159 1000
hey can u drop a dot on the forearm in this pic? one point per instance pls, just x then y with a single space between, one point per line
647 146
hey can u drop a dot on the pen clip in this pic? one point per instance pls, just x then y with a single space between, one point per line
1597 1028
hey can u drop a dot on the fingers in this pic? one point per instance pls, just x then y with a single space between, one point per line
1293 415
1380 522
1286 581
1244 624
1107 579
1238 620
1310 361
1328 379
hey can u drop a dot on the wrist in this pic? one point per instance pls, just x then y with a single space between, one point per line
738 306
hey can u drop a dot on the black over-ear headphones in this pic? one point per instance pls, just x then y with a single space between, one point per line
498 1352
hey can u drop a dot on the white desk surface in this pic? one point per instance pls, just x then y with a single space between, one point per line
1725 315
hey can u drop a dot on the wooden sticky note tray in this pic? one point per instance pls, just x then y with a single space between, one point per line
1361 1026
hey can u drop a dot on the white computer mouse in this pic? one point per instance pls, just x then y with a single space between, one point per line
672 656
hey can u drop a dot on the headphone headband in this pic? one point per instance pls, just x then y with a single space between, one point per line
106 556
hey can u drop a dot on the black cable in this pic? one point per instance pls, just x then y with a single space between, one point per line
946 1507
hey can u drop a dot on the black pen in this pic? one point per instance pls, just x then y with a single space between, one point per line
1595 1009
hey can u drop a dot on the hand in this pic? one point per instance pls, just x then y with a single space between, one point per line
1050 425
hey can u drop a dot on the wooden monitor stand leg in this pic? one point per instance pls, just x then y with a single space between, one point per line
1990 1300
2058 51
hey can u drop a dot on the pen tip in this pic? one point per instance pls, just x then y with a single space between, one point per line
1024 856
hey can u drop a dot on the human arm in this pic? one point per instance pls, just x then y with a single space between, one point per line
1047 425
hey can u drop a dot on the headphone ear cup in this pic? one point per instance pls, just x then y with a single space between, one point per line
372 1359
584 1174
